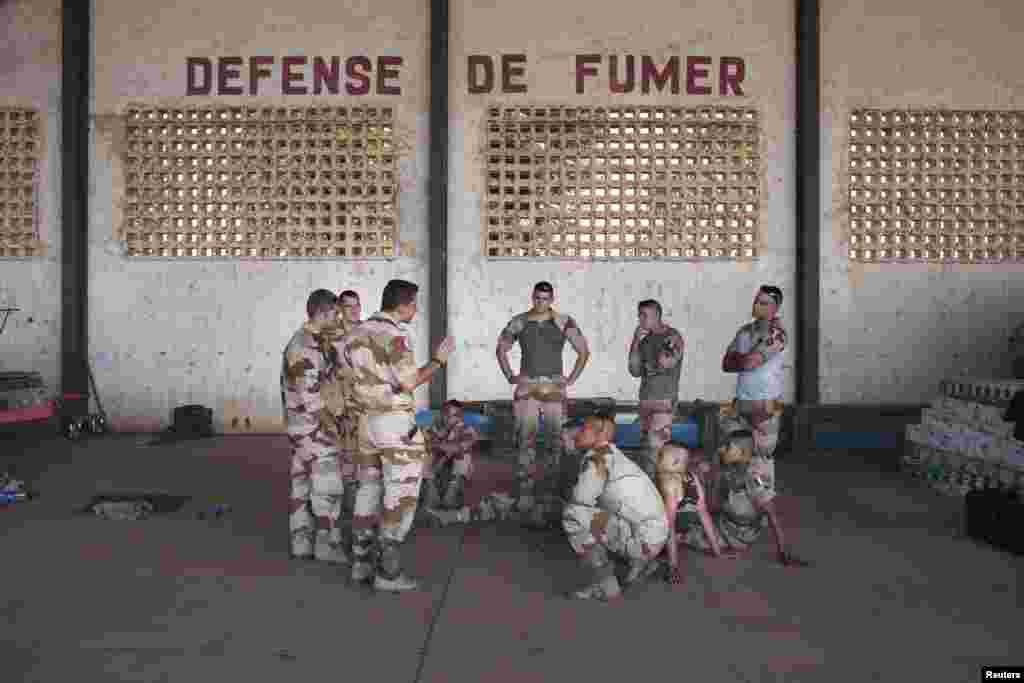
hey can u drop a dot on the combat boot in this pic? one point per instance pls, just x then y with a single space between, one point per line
430 496
640 571
362 556
604 586
302 547
329 547
390 577
455 493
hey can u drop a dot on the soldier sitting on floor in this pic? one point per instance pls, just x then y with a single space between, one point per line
452 443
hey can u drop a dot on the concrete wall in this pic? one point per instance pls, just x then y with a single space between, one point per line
165 333
890 333
30 76
706 302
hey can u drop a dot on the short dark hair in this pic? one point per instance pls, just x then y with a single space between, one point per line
348 293
453 403
545 287
774 292
319 300
397 293
649 303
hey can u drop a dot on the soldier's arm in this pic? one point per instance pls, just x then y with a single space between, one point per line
636 365
579 344
506 340
732 361
409 376
771 347
582 508
669 358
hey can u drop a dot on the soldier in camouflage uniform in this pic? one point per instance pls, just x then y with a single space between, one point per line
334 394
738 490
316 486
615 510
655 356
741 489
391 453
540 386
451 443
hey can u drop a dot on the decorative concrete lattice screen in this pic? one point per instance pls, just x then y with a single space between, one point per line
244 182
20 152
936 186
622 182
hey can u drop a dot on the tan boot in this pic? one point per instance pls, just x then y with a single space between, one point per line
605 586
329 548
640 571
390 577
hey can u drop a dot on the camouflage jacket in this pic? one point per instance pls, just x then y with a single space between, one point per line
337 390
303 371
460 433
378 355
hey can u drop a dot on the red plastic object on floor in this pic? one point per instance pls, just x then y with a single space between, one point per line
40 412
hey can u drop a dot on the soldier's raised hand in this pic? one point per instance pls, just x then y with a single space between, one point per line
445 348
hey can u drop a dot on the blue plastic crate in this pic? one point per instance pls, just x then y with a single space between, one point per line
484 423
628 434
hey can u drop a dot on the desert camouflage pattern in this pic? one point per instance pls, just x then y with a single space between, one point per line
391 452
317 487
616 505
539 404
336 395
378 355
451 464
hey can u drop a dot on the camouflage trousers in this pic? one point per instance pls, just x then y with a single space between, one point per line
539 406
443 467
614 532
655 432
318 495
735 533
389 466
752 416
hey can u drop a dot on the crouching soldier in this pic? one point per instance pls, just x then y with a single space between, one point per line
451 443
615 510
736 494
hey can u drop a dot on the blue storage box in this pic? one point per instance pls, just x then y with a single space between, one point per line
484 423
628 435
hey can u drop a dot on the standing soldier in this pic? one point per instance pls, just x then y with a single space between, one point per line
391 453
315 472
755 354
452 443
750 426
540 386
335 396
656 357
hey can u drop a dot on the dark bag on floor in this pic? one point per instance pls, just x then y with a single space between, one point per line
997 518
193 420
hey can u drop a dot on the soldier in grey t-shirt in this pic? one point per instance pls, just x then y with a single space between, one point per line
656 357
540 386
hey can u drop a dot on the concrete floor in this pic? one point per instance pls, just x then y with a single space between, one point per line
895 595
